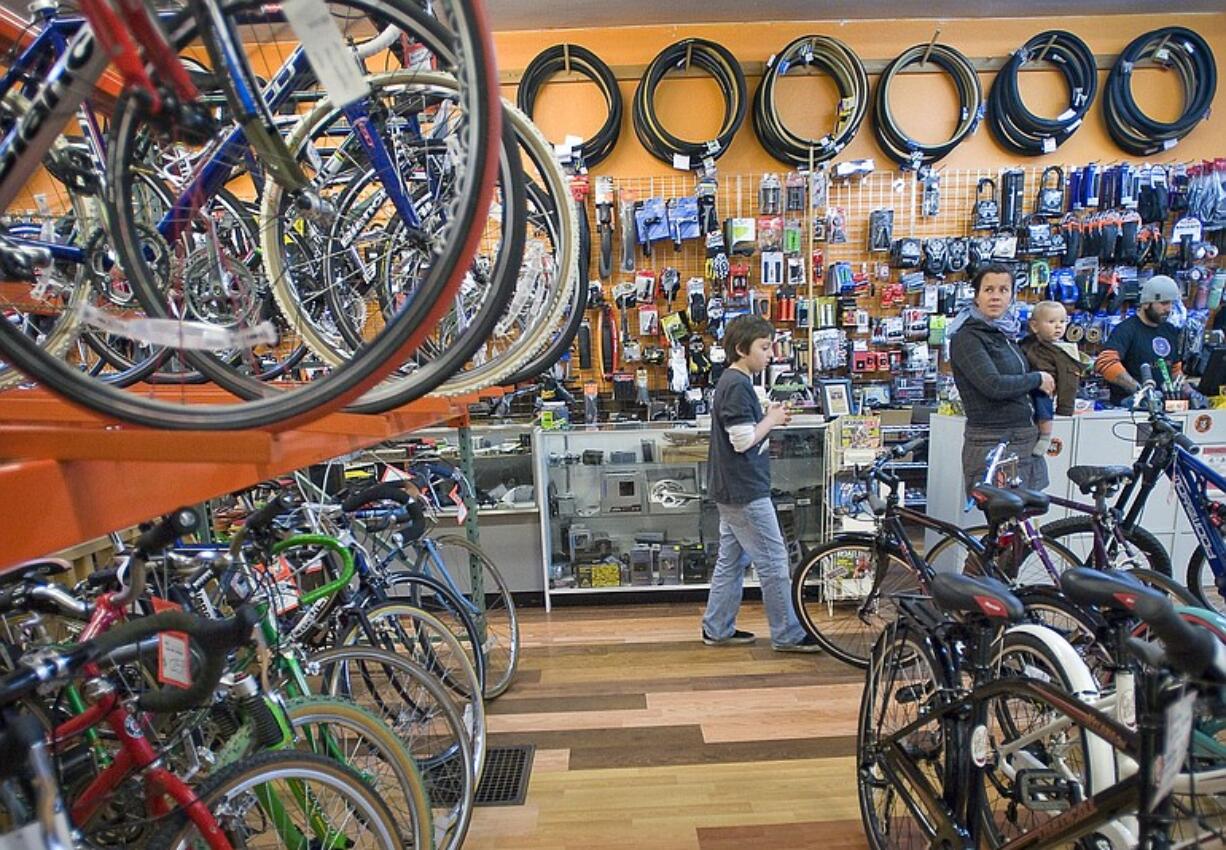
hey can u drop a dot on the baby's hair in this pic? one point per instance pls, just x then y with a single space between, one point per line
1042 307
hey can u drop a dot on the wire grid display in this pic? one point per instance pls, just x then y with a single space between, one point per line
857 197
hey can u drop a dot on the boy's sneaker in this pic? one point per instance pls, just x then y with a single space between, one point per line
736 637
807 644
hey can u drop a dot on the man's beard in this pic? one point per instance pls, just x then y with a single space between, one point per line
1153 315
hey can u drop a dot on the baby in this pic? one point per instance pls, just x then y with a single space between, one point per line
1047 352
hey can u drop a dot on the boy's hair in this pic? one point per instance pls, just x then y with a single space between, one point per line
1045 307
741 332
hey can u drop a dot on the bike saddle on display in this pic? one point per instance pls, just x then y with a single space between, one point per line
997 504
984 596
1090 478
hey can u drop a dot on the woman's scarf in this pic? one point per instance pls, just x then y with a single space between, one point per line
1010 323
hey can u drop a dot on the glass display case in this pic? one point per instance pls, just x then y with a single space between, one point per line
624 508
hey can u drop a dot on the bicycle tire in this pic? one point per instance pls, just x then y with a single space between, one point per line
434 597
441 740
382 741
500 642
281 765
1030 652
849 638
470 27
1201 583
944 556
902 669
1156 556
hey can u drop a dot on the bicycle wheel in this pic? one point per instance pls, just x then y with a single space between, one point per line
476 170
1079 626
493 609
904 682
1202 583
360 740
1021 565
286 798
1141 549
418 708
1027 734
434 597
831 591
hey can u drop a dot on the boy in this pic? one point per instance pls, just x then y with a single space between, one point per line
739 483
1047 352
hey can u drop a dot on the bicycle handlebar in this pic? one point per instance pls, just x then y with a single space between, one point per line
1189 650
162 534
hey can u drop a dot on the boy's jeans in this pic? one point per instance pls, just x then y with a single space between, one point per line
750 533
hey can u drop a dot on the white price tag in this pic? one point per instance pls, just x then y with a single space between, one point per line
1178 733
1169 143
1049 144
331 59
681 162
174 660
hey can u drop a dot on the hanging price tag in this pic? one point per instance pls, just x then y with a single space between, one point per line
461 508
174 652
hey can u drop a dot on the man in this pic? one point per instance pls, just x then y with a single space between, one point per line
1145 337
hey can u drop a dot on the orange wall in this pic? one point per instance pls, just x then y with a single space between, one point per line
925 103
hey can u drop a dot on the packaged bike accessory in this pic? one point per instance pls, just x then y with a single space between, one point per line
645 286
1050 199
651 223
741 236
604 224
795 272
1012 189
678 368
935 253
818 183
683 220
770 232
670 282
931 203
696 300
717 267
642 396
623 386
772 268
770 195
794 189
836 225
673 327
880 230
906 253
793 235
591 396
956 259
629 231
649 320
986 212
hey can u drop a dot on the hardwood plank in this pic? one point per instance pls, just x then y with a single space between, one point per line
810 835
558 705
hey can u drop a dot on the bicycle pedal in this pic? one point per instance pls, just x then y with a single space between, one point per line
1046 791
909 694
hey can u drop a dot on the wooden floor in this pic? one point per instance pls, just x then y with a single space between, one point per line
648 740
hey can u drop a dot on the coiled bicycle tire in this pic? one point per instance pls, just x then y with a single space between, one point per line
1012 124
717 61
900 147
1192 59
563 57
844 66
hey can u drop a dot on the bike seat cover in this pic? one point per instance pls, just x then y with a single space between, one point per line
1117 591
986 597
997 504
1088 478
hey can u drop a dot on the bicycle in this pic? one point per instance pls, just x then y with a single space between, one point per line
57 98
925 745
842 593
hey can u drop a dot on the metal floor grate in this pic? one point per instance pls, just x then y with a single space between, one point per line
504 782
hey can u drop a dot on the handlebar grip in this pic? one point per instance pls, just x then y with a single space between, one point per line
388 490
1147 374
1189 650
164 531
273 508
1185 443
215 638
911 445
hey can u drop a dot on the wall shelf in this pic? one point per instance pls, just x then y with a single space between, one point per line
67 475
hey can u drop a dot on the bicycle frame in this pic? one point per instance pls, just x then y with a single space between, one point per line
957 816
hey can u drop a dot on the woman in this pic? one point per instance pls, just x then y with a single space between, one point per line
995 382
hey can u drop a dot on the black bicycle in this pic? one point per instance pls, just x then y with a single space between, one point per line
937 715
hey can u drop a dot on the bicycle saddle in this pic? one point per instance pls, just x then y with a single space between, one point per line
38 568
1114 590
1089 478
1036 503
997 504
984 596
